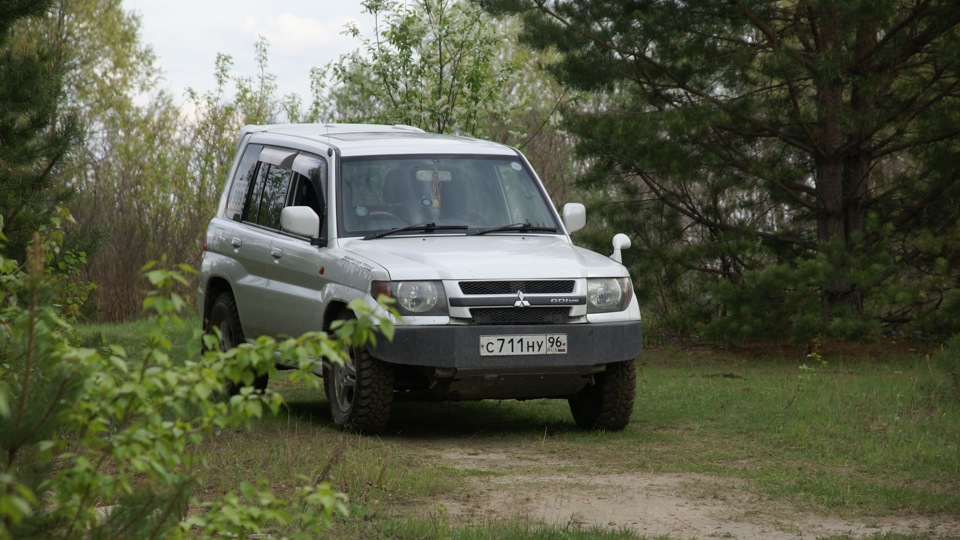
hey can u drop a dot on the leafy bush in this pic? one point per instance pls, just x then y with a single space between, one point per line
101 442
786 301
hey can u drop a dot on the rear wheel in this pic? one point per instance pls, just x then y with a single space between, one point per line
224 316
608 403
360 392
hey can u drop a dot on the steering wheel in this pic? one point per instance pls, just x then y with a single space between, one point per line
384 213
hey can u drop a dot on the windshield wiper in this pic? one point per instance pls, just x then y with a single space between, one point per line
419 227
515 227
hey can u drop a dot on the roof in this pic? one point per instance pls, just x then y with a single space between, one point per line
372 139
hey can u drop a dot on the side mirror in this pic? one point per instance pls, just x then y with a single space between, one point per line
620 242
574 217
300 220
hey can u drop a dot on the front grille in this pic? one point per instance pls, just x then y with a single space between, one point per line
511 287
552 315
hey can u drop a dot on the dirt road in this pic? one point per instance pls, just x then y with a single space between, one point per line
518 482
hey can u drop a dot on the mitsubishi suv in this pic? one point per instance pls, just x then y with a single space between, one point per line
496 301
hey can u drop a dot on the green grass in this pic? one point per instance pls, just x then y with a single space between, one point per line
440 528
862 437
132 335
872 433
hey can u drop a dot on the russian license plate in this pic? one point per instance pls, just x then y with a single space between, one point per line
517 345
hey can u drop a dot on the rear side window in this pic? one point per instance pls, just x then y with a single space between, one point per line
269 195
241 181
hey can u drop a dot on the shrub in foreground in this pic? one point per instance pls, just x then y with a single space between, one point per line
102 442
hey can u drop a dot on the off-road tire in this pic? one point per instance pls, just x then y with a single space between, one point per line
607 404
360 392
224 316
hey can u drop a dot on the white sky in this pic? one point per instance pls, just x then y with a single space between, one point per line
186 36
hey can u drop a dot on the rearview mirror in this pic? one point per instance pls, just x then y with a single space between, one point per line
300 220
574 217
430 175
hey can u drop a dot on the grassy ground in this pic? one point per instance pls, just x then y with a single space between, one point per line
869 433
873 432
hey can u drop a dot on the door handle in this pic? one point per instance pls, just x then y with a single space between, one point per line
276 252
236 241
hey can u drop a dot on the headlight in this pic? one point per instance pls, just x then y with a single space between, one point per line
608 294
414 297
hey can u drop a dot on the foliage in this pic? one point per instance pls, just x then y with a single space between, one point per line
446 67
64 267
104 442
782 301
108 79
105 66
163 176
729 137
36 135
148 174
430 64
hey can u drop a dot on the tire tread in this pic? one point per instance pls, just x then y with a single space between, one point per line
608 404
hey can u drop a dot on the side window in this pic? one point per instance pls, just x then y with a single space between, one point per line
268 196
314 170
241 181
309 184
304 194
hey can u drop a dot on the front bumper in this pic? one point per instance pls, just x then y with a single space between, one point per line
458 347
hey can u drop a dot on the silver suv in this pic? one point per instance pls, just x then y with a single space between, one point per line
496 301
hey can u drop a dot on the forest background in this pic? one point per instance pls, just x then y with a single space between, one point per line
786 170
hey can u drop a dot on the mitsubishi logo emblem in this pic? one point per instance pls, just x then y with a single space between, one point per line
520 301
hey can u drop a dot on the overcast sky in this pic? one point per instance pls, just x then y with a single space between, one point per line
186 36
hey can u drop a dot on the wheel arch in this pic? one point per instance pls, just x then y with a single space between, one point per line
335 310
215 287
339 297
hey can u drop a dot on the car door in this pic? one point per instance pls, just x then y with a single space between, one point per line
251 239
293 293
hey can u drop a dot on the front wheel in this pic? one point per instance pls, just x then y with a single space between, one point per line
224 316
608 403
360 392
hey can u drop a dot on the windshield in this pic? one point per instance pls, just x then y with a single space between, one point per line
468 192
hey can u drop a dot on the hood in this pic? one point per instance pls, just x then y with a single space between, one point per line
483 257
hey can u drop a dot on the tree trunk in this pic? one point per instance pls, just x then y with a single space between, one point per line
840 217
859 160
846 151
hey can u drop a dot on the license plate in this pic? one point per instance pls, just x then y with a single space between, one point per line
518 345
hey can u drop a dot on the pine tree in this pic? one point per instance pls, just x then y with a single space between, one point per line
35 137
784 166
